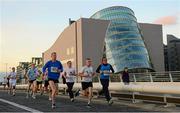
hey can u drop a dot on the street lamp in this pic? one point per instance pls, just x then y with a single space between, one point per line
6 68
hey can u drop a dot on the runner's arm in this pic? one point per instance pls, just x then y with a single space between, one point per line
112 70
98 69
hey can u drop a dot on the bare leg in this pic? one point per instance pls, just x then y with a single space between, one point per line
34 89
90 95
53 89
28 89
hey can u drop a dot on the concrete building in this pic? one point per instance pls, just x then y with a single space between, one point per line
173 50
166 64
83 38
21 71
153 38
90 38
37 61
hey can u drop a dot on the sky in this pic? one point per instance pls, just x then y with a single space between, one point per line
30 27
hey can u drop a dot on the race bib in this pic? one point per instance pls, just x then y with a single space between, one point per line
54 69
106 72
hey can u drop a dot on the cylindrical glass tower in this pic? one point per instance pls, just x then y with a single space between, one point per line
124 46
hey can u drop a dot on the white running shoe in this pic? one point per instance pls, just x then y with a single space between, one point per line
53 106
110 102
33 96
72 99
50 98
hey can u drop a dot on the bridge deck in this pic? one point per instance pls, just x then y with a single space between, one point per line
19 103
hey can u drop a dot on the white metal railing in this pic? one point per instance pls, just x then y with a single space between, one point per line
166 84
171 76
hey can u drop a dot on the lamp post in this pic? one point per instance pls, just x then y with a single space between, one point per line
6 64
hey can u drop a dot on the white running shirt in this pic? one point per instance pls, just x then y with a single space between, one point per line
12 80
88 72
70 74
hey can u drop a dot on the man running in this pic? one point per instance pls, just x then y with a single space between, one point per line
31 76
87 74
46 84
54 68
12 82
39 80
4 83
8 82
70 74
105 70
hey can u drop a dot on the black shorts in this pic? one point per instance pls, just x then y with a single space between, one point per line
86 85
8 84
31 81
46 83
55 81
39 82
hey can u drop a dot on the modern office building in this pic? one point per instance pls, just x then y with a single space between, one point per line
166 63
112 32
173 53
124 46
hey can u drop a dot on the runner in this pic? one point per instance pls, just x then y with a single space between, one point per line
31 76
4 83
39 80
105 70
87 74
8 82
125 76
12 82
54 68
46 84
70 74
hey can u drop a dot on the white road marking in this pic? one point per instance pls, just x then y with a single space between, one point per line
20 106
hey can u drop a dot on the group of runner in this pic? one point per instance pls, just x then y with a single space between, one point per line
53 69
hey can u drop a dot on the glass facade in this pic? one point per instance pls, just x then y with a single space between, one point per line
124 45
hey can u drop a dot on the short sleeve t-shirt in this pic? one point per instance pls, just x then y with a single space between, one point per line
32 73
12 75
39 78
88 72
70 74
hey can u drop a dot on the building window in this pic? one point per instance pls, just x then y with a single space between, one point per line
68 51
72 50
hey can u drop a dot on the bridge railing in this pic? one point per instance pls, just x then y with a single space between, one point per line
171 76
152 86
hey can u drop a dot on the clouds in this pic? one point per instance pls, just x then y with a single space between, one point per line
167 20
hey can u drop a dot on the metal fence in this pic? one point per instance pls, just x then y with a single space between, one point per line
173 76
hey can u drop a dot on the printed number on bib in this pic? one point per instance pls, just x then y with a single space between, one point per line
54 69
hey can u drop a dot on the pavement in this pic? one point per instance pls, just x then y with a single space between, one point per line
20 103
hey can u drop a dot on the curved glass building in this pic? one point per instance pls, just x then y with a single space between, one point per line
124 45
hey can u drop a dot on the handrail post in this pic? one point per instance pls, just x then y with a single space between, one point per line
151 79
120 76
134 78
99 79
170 76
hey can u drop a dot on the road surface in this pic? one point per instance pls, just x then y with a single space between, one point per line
20 103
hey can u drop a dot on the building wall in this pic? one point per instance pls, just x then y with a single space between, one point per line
173 49
64 46
87 35
93 35
152 34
